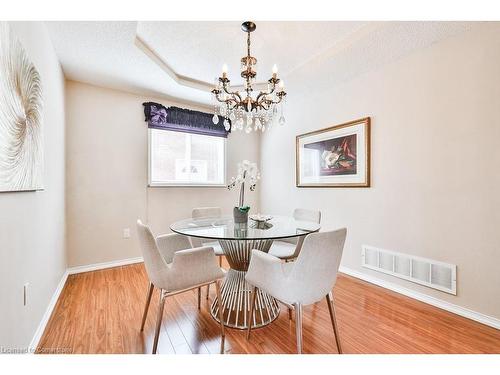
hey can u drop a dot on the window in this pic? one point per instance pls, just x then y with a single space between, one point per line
185 159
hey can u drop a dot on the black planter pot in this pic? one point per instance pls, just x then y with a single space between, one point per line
240 217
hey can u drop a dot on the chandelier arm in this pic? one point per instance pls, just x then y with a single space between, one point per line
233 93
219 99
270 92
261 102
226 101
263 94
270 101
265 99
263 106
277 101
233 105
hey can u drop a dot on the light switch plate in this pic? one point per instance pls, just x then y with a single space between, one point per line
126 232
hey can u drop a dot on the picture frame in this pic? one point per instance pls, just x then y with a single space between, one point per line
337 156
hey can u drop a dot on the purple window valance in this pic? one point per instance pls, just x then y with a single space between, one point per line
182 120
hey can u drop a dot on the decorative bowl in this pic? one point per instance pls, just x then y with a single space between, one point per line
259 218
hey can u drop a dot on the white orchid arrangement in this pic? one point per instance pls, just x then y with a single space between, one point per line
247 173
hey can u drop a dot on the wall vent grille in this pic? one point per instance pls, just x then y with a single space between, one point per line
428 272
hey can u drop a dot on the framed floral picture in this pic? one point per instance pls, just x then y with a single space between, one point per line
338 156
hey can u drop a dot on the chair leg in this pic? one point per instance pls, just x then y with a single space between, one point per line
146 308
199 297
208 286
252 308
331 308
298 326
221 316
158 319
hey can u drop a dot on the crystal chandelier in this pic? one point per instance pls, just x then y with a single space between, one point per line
244 110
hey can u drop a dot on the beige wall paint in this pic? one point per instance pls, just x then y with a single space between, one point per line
32 230
435 160
107 175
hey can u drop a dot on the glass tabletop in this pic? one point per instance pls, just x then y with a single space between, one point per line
224 228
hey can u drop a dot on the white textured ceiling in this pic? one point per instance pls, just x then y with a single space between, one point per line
106 53
199 49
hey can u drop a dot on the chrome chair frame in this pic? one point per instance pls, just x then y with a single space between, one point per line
298 319
161 305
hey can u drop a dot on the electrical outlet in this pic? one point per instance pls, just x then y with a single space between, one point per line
25 294
126 232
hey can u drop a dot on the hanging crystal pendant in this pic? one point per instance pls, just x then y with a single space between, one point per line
258 124
282 120
227 125
239 124
232 116
266 123
215 119
248 129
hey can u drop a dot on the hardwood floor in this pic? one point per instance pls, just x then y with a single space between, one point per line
100 312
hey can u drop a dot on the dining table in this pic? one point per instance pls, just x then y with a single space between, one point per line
237 241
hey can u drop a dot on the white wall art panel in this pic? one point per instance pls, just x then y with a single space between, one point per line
21 139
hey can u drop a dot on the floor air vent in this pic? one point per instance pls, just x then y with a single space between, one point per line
428 272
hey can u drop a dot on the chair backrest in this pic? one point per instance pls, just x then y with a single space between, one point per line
315 270
155 265
304 214
201 212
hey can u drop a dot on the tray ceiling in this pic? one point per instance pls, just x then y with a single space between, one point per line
182 59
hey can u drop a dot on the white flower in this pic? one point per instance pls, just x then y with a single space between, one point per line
248 172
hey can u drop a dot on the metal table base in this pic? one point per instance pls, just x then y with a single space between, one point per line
235 292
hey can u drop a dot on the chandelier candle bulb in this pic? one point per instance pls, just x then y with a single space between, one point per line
224 71
275 71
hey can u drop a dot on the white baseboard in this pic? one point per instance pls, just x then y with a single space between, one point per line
101 266
462 311
48 312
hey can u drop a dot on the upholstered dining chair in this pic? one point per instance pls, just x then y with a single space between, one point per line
303 282
207 212
289 248
174 267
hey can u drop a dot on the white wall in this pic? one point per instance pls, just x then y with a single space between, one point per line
435 160
435 129
107 175
32 231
